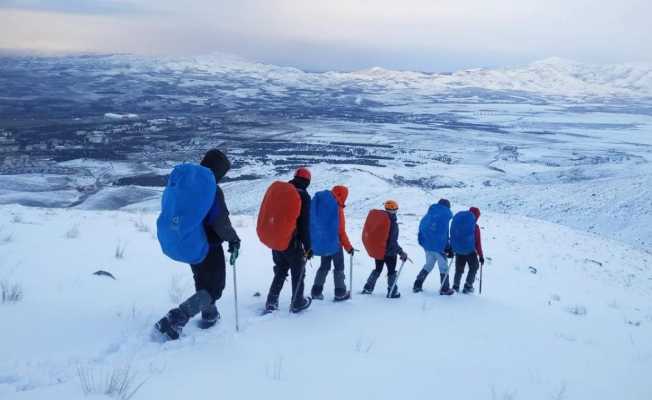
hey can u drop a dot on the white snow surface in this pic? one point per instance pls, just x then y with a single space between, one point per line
578 328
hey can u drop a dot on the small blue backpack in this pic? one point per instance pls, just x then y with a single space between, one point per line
188 198
324 224
433 228
463 232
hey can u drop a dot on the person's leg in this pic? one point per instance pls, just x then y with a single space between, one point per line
172 324
338 274
443 274
373 277
210 275
391 276
297 262
428 266
474 265
460 262
281 268
320 277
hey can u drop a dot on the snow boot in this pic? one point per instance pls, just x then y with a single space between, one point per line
316 293
366 291
394 295
172 324
418 283
445 286
342 295
209 317
468 289
271 305
297 308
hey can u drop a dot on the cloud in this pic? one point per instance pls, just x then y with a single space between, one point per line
341 34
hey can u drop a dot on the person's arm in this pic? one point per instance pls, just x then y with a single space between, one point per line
478 242
221 223
303 223
344 238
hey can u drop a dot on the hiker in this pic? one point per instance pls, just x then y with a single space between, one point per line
467 246
391 250
209 273
284 226
434 238
339 193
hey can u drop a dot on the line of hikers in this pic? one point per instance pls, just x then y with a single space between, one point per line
194 222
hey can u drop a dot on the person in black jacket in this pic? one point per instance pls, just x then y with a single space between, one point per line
393 250
294 258
210 274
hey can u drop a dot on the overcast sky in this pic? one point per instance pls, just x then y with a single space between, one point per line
426 35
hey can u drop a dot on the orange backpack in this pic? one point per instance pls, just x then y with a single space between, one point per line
375 233
277 218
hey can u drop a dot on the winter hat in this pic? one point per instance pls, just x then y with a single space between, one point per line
391 205
444 202
341 193
304 173
217 162
476 212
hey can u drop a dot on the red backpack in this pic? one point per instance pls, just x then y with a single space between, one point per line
277 218
375 233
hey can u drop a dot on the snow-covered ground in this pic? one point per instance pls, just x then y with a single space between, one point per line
578 328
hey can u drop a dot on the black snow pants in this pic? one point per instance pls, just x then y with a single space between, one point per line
375 274
460 262
210 274
292 260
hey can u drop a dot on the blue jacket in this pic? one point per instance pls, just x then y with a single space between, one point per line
393 248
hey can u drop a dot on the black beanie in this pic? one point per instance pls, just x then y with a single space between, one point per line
217 162
445 202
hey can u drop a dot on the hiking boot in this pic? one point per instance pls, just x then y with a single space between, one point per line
394 295
316 293
468 290
456 289
446 292
271 306
209 318
418 283
172 324
342 295
302 306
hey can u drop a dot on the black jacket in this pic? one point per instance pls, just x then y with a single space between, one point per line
219 229
393 248
303 222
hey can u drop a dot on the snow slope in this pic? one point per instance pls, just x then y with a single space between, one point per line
525 337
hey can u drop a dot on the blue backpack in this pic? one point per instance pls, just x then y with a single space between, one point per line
324 224
433 228
188 198
463 232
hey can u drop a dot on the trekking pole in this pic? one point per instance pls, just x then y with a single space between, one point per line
235 298
447 275
480 292
391 290
351 274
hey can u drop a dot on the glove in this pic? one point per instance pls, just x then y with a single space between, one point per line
309 254
481 260
403 256
234 249
351 251
449 252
